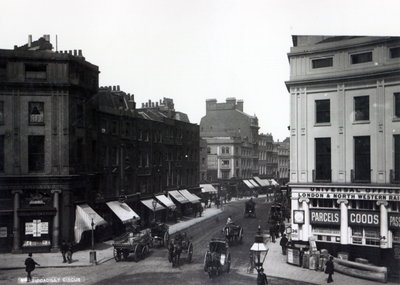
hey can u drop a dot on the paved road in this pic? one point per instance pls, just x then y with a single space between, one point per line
156 269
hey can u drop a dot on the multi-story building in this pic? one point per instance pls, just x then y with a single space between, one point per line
203 161
232 140
46 143
345 145
267 156
283 161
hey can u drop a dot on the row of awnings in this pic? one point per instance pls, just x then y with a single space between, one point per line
208 188
84 213
256 182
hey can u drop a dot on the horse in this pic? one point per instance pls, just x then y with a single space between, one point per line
232 233
174 253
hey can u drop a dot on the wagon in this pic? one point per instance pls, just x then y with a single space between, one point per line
250 209
217 259
180 246
137 243
160 234
233 232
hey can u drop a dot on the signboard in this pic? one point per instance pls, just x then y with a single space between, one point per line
36 228
298 216
3 232
293 256
364 218
387 194
394 221
324 217
28 228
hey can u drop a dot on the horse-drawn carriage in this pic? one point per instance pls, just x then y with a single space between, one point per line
136 242
233 233
250 209
217 258
178 246
160 234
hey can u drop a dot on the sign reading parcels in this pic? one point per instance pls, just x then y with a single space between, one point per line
324 217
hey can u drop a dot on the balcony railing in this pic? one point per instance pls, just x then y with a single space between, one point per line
355 179
394 176
327 179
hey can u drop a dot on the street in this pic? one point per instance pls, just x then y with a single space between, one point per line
156 269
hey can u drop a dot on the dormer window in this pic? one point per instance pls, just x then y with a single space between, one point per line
36 71
361 57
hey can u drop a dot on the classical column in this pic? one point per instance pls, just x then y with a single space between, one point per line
56 219
305 232
384 230
16 230
344 222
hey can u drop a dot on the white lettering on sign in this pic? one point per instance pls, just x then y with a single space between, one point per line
325 217
364 218
394 221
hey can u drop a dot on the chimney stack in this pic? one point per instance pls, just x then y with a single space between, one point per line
29 40
117 87
80 52
75 52
47 37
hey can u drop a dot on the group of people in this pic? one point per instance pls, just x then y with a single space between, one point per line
276 230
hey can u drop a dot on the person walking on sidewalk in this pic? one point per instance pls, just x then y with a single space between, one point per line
30 266
283 243
329 269
261 277
70 251
64 249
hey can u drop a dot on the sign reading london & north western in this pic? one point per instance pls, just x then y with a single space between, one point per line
324 217
364 218
387 194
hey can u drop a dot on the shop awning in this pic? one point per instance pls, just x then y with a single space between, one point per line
208 188
149 204
260 181
273 182
123 211
254 183
178 196
248 184
191 197
166 201
83 220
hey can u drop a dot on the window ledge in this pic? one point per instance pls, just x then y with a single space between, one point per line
36 124
363 122
396 119
322 124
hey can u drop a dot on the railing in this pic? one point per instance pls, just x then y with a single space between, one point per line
321 179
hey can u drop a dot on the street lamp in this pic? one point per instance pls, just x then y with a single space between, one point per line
154 203
259 250
92 253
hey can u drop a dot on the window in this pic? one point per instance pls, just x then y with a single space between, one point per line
322 110
361 108
362 159
114 128
36 113
397 105
396 139
1 112
323 159
322 62
225 162
3 69
361 57
208 150
36 71
1 153
395 52
36 153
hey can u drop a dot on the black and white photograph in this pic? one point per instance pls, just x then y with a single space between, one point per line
200 142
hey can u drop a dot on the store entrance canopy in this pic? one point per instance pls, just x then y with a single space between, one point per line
123 211
83 220
191 197
166 201
254 183
149 204
178 196
208 188
248 184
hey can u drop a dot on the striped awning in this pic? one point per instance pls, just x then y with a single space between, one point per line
166 201
191 197
83 220
149 204
248 184
178 196
123 211
208 188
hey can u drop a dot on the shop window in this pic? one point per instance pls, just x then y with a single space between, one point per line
357 235
322 62
365 236
35 153
361 108
396 236
1 113
36 71
394 52
362 159
36 113
396 105
323 159
372 237
361 57
1 153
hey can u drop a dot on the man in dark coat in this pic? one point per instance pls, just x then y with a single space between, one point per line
261 277
64 249
329 269
283 243
70 251
30 266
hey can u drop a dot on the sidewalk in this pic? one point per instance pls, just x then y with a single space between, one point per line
275 266
104 250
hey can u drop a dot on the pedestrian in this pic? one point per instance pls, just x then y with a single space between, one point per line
283 243
261 277
272 233
329 269
30 266
64 249
282 227
70 251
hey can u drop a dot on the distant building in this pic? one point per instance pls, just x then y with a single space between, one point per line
203 161
345 145
232 141
283 161
267 157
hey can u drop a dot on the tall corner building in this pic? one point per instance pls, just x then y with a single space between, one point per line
345 145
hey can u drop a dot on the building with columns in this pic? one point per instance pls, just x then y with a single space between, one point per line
283 161
345 145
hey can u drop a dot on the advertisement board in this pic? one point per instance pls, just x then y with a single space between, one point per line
364 218
324 217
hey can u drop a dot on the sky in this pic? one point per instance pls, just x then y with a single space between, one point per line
194 50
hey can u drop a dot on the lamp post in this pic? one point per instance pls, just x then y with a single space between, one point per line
259 250
154 203
92 253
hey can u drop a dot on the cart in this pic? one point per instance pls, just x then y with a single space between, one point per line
136 242
160 234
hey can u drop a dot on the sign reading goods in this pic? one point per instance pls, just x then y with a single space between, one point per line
364 218
324 217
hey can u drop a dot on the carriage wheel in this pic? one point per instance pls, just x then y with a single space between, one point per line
145 251
136 253
229 264
166 239
117 254
241 235
125 253
205 263
190 253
